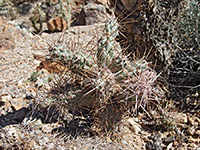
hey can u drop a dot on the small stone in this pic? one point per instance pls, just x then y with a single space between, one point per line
193 140
133 126
56 24
5 101
170 139
17 103
92 14
17 107
178 118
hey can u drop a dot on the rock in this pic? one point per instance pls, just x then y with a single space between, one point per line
17 103
92 14
133 126
169 139
11 103
56 24
6 41
178 118
128 4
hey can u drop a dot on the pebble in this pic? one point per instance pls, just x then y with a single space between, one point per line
135 127
170 139
179 117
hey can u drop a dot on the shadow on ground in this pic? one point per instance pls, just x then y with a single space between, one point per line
73 127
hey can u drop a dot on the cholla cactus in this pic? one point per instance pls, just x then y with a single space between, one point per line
105 53
37 18
110 81
66 13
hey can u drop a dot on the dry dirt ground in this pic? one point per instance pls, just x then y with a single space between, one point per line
20 52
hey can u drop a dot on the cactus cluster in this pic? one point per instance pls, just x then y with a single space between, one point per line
110 83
